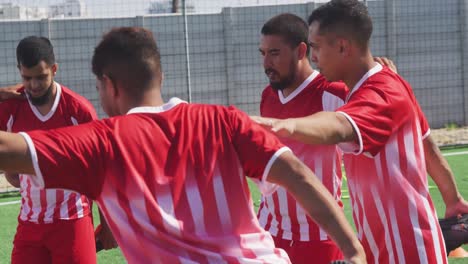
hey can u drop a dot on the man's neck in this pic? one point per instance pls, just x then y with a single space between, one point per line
301 76
151 98
358 70
47 107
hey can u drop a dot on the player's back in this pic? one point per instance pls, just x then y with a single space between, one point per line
184 169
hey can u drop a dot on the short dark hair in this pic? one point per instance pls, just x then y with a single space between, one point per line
291 28
32 50
130 56
348 18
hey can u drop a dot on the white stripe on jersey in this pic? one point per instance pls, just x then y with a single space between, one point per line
36 202
196 204
304 226
330 102
380 209
318 162
383 219
166 206
79 205
9 124
283 207
64 206
413 214
274 222
394 168
367 232
51 198
432 223
74 121
221 200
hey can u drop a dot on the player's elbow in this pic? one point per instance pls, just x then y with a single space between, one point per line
13 179
343 130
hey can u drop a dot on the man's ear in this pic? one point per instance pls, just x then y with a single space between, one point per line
302 51
110 85
54 68
344 47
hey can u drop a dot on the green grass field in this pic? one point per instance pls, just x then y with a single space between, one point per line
9 213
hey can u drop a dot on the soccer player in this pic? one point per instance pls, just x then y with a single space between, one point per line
385 136
169 177
297 90
54 225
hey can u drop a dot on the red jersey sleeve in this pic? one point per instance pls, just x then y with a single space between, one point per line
4 115
256 148
68 158
375 114
86 113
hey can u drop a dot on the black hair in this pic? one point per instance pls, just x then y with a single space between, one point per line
130 56
346 18
32 50
291 28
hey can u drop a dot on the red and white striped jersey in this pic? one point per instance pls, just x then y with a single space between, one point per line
279 213
170 180
39 205
386 170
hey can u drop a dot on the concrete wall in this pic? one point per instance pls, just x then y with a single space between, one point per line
426 38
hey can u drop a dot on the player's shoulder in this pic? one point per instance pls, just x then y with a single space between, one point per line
74 100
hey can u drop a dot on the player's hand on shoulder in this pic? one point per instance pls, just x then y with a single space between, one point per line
386 62
281 127
10 92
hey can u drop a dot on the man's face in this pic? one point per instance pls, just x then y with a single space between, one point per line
325 53
38 81
279 61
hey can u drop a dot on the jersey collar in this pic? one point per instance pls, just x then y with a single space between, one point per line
173 102
366 76
298 90
46 117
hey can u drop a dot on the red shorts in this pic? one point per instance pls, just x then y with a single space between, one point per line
317 252
66 241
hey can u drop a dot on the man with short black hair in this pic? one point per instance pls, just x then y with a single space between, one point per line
386 141
297 90
54 225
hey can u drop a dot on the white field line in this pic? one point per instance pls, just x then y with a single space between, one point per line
12 202
455 153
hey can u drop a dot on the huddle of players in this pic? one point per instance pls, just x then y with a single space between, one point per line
160 211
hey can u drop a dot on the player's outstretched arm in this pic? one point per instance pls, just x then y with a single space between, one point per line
10 92
14 154
320 128
439 170
289 172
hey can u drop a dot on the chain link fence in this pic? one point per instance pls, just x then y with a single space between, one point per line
210 48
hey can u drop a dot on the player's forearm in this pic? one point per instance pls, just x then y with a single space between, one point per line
323 128
316 200
14 154
439 170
